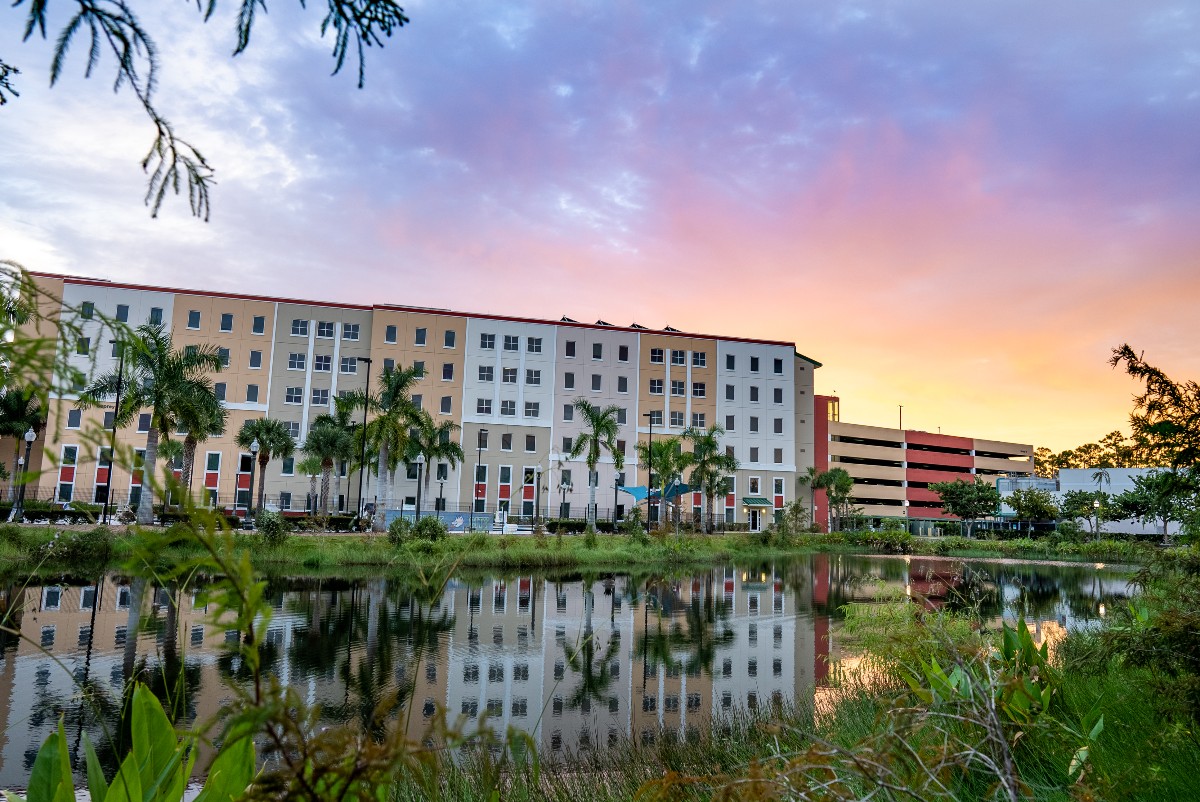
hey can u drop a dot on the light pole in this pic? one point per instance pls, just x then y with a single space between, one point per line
1096 508
254 447
616 486
420 464
362 452
537 493
475 478
649 470
441 505
112 443
901 416
18 510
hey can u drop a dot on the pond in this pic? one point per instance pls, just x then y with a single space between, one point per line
577 662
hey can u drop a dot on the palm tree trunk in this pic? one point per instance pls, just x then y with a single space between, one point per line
385 489
337 484
189 465
326 474
12 485
709 505
592 478
264 459
145 512
312 492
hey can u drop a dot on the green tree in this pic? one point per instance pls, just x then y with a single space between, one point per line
969 501
435 442
1032 504
342 414
666 458
199 419
20 411
1164 496
327 442
709 464
839 488
1089 506
274 442
599 434
387 434
164 380
1166 415
114 28
310 466
809 479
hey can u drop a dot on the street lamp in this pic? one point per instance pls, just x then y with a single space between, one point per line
649 470
483 433
112 446
362 454
537 493
254 447
616 487
441 502
18 511
420 464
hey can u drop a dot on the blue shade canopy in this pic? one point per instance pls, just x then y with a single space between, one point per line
674 490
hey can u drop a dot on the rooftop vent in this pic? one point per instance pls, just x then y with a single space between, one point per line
636 326
603 323
669 328
565 319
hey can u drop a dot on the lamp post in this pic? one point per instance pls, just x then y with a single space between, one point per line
441 503
254 448
537 493
483 433
420 464
1096 509
362 452
616 486
649 469
18 510
112 443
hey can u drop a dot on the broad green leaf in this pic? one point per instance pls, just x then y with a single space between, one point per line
127 785
155 746
1096 730
230 773
51 780
97 786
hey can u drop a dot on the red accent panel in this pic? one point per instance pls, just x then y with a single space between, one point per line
505 491
137 478
101 475
243 481
731 500
66 473
922 494
821 656
923 475
210 480
951 461
821 454
943 440
527 492
779 502
480 490
820 579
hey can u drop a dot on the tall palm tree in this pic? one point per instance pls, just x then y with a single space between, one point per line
329 443
310 466
274 442
160 378
20 411
199 421
708 462
388 433
809 479
599 434
342 415
665 456
434 442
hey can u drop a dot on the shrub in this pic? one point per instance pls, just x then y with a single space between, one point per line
14 535
589 538
398 531
430 529
89 546
272 527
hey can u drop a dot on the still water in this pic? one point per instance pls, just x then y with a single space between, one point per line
576 662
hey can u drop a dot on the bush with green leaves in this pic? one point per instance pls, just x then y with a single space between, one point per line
399 530
589 537
430 528
272 526
88 546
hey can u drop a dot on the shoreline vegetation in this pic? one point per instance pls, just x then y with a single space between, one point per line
46 550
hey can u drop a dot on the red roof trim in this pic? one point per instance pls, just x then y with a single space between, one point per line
95 282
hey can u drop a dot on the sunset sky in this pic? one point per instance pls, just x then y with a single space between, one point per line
960 207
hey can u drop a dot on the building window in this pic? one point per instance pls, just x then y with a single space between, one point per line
508 408
698 420
322 363
622 384
677 419
293 395
678 357
258 325
419 336
729 452
213 461
487 373
532 409
256 359
596 382
219 391
389 334
530 442
83 346
677 387
656 387
730 423
597 350
416 401
777 394
418 366
223 355
533 377
699 359
730 393
251 393
320 398
754 486
226 322
568 412
122 313
293 427
349 364
754 394
569 349
753 454
508 375
285 500
623 353
512 342
622 416
325 329
505 445
656 417
390 365
193 319
350 331
296 361
448 372
753 423
533 345
778 367
144 422
778 456
730 362
754 364
567 444
698 389
656 356
299 328
569 381
487 342
74 418
778 425
483 406
445 405
448 339
156 316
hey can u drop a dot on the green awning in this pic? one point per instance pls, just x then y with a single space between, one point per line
755 501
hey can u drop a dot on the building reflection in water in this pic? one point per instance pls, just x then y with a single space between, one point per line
578 663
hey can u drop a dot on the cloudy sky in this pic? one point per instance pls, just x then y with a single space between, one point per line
960 207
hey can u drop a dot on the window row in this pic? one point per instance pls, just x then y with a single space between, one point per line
776 364
508 408
658 357
322 363
420 336
570 351
678 388
87 311
325 329
511 343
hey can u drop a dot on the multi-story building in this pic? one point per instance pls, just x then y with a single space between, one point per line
509 384
893 468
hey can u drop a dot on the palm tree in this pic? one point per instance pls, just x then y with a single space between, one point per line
274 441
171 452
388 433
311 467
344 407
162 379
20 411
327 442
199 421
599 435
665 456
433 441
809 479
708 462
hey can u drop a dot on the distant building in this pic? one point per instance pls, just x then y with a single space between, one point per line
1115 482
